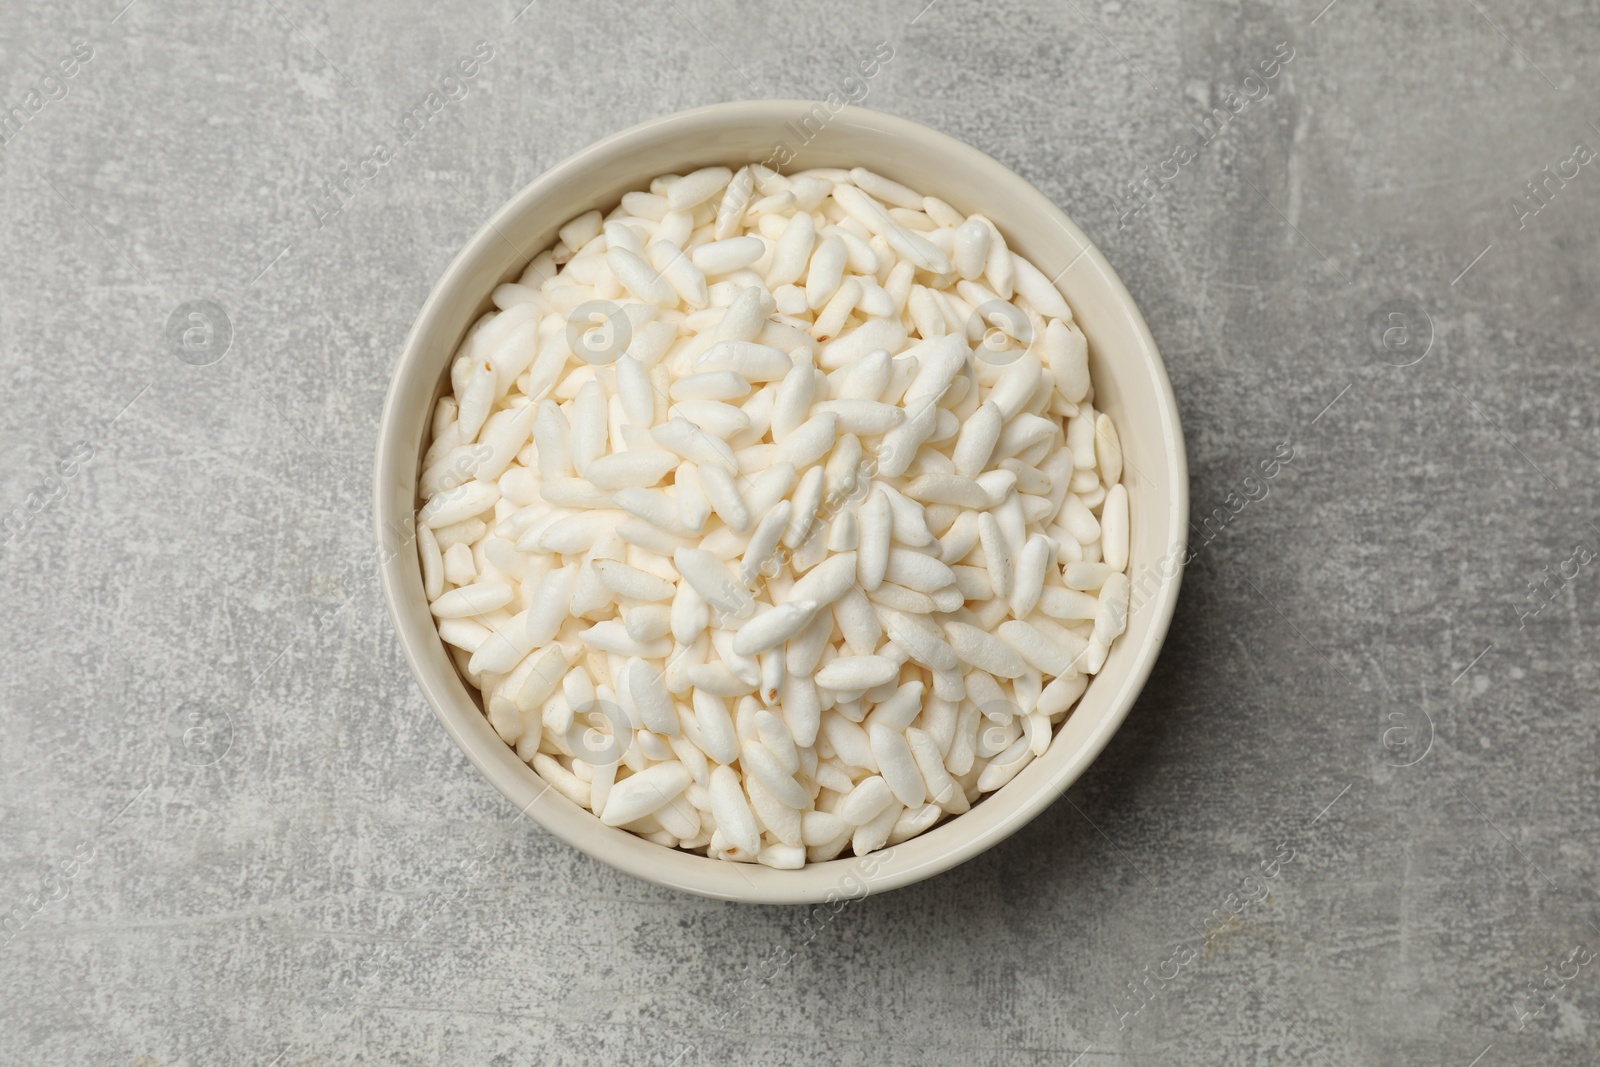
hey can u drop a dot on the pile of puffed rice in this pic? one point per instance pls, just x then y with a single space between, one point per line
771 515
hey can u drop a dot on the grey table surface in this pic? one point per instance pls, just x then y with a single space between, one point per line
1351 820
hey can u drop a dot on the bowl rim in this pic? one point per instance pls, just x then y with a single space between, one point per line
656 863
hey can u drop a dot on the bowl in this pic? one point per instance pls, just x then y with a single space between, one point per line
1130 385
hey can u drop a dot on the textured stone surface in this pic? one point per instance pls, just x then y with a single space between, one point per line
232 834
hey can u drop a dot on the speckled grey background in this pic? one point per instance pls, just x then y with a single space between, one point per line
231 832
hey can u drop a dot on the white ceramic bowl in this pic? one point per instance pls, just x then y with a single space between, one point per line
1129 380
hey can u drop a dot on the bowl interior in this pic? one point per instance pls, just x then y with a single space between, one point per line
1130 385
